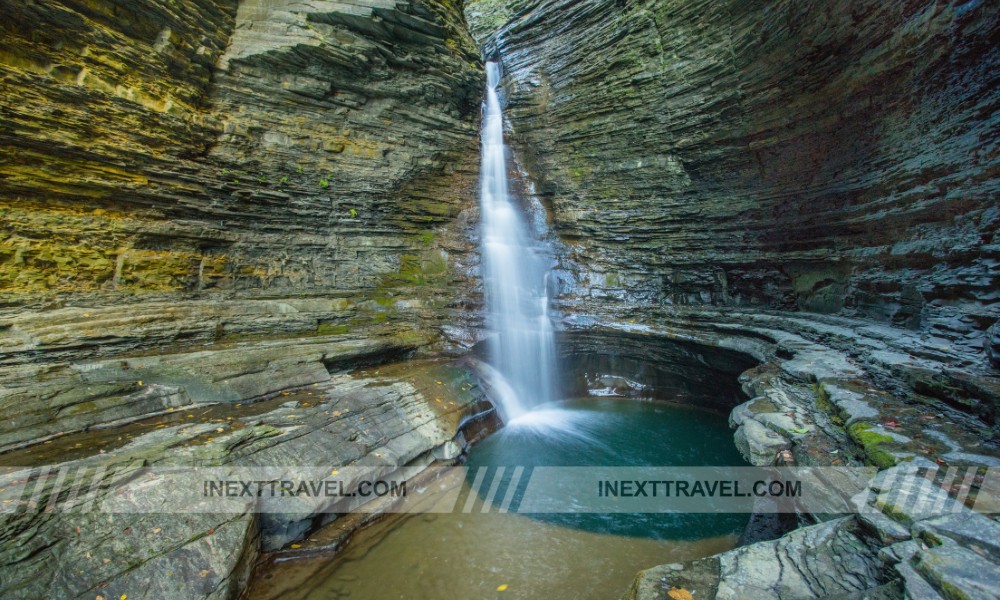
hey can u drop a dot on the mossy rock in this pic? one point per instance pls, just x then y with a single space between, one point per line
873 444
330 329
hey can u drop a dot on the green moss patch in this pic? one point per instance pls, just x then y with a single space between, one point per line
872 444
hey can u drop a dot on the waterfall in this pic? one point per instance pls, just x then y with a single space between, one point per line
515 270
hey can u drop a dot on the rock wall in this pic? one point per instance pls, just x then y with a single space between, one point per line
179 149
207 175
835 157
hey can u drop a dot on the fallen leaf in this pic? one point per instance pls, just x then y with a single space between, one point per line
680 594
157 530
295 546
500 588
203 573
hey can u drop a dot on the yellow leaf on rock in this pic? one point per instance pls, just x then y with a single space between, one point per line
680 594
502 588
296 546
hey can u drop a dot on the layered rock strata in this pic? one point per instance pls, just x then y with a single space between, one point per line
186 177
408 415
195 148
205 204
833 157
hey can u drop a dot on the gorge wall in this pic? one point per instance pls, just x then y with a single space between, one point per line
205 203
833 157
204 174
215 149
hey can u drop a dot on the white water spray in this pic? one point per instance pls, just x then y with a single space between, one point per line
515 271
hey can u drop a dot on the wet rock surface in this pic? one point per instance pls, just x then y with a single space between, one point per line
386 417
812 403
46 395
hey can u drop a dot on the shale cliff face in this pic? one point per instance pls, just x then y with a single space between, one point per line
181 149
182 174
835 157
205 203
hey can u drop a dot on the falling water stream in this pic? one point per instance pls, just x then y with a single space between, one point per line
515 269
